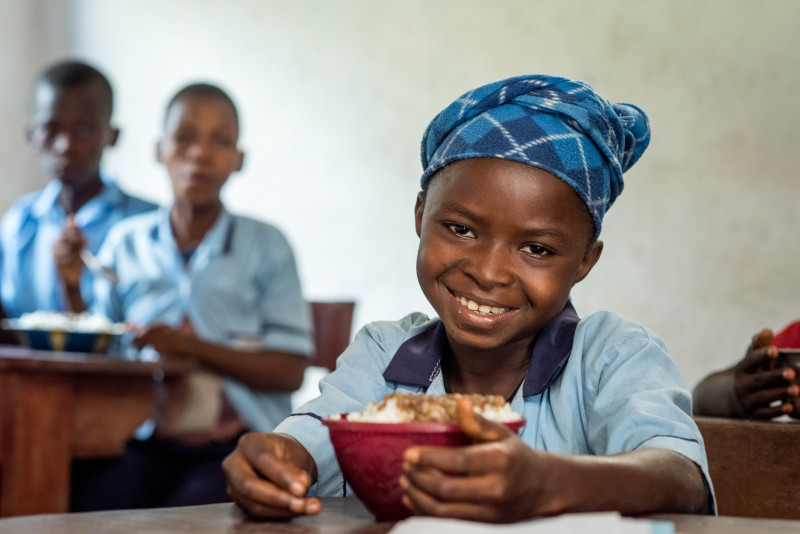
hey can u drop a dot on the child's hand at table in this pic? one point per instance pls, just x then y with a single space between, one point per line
758 382
165 340
67 253
269 474
498 479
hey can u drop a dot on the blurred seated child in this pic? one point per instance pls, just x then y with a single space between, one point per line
203 284
69 128
759 386
518 175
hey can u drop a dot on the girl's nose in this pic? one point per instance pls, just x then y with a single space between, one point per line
490 265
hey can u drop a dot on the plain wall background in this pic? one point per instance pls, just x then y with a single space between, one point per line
701 247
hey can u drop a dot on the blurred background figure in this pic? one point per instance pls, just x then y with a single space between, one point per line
69 128
762 385
200 283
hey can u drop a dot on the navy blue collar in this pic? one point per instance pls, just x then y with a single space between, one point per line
417 361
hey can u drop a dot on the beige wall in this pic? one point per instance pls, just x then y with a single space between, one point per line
702 246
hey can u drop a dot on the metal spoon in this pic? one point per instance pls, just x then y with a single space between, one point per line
94 265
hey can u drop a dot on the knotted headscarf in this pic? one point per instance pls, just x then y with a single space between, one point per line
556 124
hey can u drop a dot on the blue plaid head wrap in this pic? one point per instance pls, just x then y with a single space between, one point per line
556 124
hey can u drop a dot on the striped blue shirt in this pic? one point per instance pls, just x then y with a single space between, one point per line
28 277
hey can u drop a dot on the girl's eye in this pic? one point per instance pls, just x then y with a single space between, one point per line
460 230
535 250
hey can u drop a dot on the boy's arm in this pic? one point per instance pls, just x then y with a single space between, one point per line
715 396
260 369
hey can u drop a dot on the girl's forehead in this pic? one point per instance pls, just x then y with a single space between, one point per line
494 189
470 174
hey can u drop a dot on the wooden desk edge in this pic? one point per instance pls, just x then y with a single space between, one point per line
345 515
24 359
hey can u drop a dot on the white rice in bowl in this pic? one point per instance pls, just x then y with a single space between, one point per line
419 408
68 322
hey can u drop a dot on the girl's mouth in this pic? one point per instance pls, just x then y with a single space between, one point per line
482 309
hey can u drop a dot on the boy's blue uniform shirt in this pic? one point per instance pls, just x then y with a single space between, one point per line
616 391
240 288
29 280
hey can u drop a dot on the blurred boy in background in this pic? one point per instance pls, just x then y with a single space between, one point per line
69 129
199 283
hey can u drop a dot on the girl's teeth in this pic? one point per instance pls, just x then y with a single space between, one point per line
483 309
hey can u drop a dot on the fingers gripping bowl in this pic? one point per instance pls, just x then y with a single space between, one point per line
370 445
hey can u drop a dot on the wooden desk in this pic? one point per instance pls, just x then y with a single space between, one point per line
338 516
754 466
56 406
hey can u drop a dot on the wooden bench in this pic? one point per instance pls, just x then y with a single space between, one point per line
333 322
754 466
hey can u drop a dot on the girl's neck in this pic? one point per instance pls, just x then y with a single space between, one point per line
485 373
191 223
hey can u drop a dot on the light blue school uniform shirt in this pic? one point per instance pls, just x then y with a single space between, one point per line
601 386
29 280
240 287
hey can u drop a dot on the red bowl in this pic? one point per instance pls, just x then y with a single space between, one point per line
370 456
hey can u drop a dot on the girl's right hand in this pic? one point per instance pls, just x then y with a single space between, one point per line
269 475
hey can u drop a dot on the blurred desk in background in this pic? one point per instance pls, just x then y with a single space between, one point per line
754 466
57 406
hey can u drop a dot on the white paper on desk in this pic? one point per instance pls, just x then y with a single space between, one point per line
589 523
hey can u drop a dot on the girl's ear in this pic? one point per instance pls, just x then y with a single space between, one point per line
589 260
158 151
240 164
419 208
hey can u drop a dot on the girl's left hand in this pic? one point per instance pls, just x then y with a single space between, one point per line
498 479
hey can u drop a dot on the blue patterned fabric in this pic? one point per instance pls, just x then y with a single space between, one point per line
556 124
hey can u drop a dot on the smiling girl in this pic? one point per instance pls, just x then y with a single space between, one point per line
517 177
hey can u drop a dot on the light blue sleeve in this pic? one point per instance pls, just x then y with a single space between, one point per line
284 312
357 380
634 396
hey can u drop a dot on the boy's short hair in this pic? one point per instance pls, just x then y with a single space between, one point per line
70 74
203 90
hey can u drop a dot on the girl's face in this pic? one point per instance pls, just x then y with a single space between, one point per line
199 149
501 245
